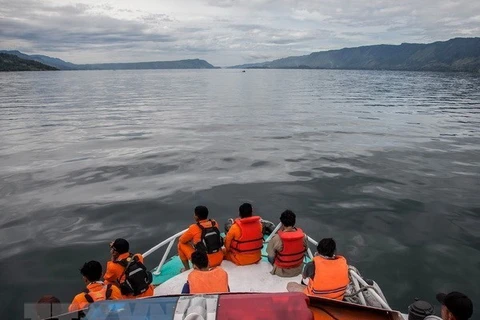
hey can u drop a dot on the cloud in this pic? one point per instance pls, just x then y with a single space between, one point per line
224 32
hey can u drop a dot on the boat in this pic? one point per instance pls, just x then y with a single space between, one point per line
254 294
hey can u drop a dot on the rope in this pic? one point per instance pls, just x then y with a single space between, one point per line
358 291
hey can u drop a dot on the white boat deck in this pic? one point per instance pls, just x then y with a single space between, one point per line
251 278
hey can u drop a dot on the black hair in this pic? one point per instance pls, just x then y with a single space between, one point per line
200 259
201 212
92 270
288 218
245 210
327 247
120 245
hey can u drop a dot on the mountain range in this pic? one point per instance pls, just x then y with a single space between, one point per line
64 65
10 62
459 54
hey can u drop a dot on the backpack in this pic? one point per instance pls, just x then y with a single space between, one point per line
211 240
137 277
100 295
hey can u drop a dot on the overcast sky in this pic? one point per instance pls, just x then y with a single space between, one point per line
224 32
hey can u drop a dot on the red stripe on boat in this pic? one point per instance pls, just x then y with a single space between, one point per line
257 306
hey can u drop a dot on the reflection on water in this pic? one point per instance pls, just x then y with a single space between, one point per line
388 163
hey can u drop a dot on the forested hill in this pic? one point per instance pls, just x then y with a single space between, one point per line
10 62
459 54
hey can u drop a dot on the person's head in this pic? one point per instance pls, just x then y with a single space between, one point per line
91 271
201 213
48 306
327 247
119 246
455 306
200 259
245 210
288 218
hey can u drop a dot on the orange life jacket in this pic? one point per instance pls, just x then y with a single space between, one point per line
293 250
103 294
212 281
251 238
331 278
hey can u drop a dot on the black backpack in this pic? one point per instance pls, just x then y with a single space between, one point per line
137 277
211 241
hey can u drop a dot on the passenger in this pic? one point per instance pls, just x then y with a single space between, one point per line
328 273
204 279
455 306
96 290
203 235
126 266
48 306
286 250
244 240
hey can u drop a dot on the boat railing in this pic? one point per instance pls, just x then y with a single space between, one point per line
357 280
169 241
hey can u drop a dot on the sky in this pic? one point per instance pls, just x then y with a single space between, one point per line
224 32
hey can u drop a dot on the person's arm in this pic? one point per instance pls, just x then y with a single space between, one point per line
309 270
116 293
74 306
187 236
305 244
186 288
110 277
274 245
230 236
139 257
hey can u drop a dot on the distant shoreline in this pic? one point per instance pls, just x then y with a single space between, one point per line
454 55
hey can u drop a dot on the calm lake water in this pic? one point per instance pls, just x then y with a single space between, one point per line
387 163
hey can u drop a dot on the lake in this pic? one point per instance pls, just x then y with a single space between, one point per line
387 163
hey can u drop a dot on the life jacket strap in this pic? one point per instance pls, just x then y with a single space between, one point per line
291 254
89 298
108 292
340 289
291 261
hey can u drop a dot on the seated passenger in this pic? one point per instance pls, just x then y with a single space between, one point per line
96 290
244 240
204 279
328 273
127 271
287 248
455 306
203 235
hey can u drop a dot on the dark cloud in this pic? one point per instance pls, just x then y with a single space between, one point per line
66 27
288 41
257 56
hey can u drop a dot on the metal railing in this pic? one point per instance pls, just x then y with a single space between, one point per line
356 279
170 241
